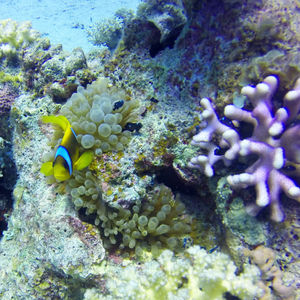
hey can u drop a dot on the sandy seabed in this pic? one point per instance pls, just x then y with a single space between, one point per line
63 21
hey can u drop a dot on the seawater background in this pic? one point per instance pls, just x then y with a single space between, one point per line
63 21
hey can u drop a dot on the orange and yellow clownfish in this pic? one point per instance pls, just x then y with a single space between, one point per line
67 157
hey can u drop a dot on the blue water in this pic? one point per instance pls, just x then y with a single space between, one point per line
63 21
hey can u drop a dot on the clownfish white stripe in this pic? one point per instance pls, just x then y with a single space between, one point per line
63 152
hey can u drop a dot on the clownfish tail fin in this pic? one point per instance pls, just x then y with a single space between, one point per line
47 168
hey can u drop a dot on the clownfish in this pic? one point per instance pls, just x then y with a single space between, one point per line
67 157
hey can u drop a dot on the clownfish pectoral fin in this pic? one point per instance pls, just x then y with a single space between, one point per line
47 168
84 160
61 121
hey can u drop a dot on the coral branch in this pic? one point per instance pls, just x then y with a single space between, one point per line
266 173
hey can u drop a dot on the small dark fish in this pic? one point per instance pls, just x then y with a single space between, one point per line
187 242
213 249
133 127
118 104
289 168
143 114
197 128
227 121
154 100
220 151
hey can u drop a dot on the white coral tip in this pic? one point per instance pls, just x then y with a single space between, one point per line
202 159
292 95
229 110
231 153
239 180
262 194
263 200
245 147
277 215
248 91
271 80
278 161
262 88
246 178
202 136
297 84
294 192
194 160
230 179
209 172
205 102
275 129
206 114
282 114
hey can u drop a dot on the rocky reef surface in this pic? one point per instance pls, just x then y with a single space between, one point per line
140 222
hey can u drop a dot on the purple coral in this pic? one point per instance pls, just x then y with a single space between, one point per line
7 97
275 140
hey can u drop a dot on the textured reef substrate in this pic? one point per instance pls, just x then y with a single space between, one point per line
138 222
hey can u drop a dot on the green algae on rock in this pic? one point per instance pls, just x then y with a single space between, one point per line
15 36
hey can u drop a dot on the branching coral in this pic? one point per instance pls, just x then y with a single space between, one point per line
15 35
109 32
275 140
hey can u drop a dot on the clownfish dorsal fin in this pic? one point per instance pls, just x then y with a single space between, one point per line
84 160
61 121
47 168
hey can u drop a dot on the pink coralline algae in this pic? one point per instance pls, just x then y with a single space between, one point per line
7 97
275 140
